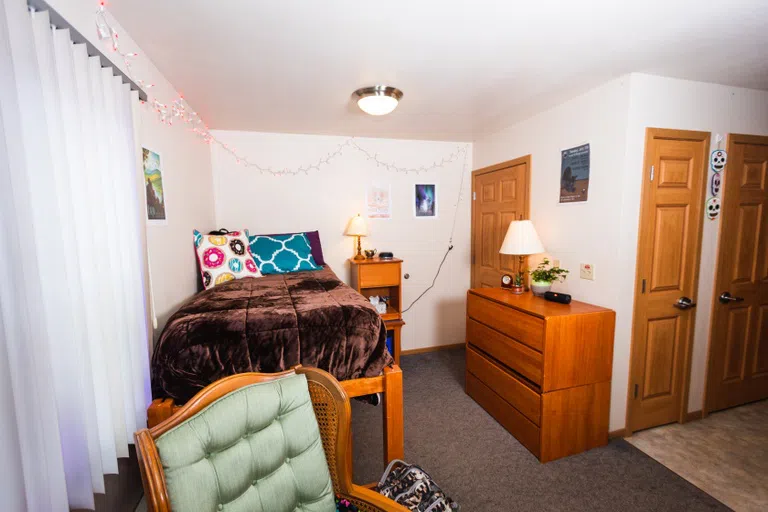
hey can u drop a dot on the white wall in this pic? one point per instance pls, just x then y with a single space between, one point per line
603 231
186 166
326 199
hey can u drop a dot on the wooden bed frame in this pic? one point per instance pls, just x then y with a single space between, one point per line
389 384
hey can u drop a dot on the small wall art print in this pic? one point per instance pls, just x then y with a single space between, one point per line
574 174
425 201
378 201
153 185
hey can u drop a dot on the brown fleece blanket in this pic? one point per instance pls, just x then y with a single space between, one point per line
269 324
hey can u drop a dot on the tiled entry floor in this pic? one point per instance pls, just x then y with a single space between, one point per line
725 454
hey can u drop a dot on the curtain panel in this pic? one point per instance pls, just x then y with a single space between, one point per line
73 333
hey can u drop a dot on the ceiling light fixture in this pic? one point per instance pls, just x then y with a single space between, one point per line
378 100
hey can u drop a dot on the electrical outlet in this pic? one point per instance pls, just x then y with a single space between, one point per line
555 263
587 271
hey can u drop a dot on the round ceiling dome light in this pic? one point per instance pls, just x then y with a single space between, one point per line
378 100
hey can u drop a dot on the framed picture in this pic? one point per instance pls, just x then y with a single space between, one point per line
425 201
153 186
378 201
574 174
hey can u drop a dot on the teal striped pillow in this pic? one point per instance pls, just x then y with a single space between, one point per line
278 254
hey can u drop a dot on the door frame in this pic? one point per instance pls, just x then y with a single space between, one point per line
650 134
731 139
485 170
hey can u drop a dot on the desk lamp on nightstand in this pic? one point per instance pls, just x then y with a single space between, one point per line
357 227
521 240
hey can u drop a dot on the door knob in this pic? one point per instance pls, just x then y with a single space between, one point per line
726 297
684 303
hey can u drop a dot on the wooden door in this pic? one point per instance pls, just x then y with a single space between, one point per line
669 245
738 353
499 196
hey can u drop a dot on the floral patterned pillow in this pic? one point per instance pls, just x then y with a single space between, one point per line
223 258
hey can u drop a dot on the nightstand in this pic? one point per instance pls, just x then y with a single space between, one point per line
375 276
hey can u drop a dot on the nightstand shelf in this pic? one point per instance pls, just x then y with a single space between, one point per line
378 277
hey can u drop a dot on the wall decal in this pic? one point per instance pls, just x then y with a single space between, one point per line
713 208
715 184
718 159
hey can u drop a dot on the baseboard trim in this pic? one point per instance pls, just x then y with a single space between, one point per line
622 432
430 349
693 416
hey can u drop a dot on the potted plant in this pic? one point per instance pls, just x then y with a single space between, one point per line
544 275
518 283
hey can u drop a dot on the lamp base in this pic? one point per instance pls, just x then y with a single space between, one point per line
359 256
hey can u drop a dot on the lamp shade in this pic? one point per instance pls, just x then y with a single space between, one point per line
521 239
357 227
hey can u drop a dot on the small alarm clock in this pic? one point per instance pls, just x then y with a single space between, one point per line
506 281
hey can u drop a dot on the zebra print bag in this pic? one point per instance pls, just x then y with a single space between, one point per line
412 487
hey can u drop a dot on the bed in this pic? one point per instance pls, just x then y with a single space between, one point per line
270 324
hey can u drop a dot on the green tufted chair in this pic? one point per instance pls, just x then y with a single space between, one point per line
256 442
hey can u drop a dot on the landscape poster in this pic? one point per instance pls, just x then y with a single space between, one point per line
153 184
574 174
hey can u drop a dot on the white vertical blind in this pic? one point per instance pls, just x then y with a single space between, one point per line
73 324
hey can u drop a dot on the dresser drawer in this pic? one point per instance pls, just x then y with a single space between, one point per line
510 418
383 274
524 360
526 329
508 387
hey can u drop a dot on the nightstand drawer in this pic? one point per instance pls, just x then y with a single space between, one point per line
507 386
526 329
382 274
524 360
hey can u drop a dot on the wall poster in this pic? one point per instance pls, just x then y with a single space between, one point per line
425 201
574 174
153 184
378 201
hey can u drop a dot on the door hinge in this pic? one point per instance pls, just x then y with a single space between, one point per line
636 386
474 195
643 289
652 170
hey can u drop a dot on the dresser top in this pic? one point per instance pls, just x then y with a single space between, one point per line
374 260
537 306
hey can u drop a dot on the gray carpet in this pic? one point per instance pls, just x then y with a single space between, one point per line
484 468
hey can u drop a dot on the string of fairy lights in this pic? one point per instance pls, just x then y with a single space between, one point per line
180 111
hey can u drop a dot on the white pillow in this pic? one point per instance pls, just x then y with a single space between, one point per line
223 258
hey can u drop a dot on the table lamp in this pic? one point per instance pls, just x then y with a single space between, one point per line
521 240
357 227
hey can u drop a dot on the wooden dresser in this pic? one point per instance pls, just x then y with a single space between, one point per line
542 369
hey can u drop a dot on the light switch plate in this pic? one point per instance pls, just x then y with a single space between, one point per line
587 271
555 263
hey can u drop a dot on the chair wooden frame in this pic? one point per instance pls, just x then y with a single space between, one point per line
389 384
326 392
